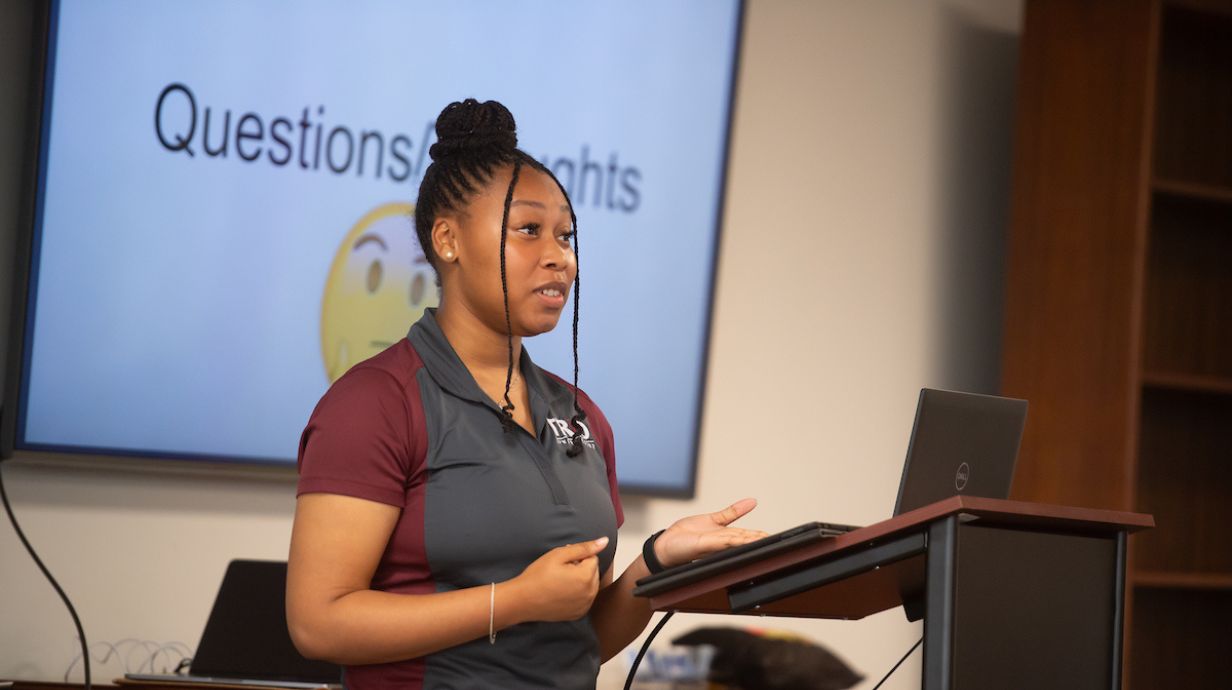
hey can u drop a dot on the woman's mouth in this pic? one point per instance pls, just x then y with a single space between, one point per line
552 296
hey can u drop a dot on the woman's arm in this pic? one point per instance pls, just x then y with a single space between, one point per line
619 617
336 544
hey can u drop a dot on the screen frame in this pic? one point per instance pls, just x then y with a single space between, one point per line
25 276
23 259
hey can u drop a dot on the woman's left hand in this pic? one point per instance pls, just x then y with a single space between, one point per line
695 536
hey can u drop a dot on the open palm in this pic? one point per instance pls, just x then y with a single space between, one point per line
695 536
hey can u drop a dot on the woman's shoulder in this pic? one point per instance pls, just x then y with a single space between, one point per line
390 372
561 386
565 391
363 437
399 362
382 387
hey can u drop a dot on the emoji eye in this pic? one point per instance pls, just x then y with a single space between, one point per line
417 289
374 276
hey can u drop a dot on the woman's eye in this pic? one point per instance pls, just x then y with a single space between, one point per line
529 229
567 237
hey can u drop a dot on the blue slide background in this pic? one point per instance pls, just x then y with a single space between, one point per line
178 298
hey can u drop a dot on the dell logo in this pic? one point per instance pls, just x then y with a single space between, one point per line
961 477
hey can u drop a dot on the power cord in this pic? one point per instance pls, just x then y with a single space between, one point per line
137 656
900 663
81 634
646 645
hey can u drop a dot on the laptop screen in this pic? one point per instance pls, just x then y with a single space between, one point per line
961 444
246 636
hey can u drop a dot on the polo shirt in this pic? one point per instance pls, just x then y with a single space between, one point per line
411 428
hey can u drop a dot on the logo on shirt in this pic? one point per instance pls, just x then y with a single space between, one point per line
564 434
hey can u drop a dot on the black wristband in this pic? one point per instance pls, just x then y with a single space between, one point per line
648 554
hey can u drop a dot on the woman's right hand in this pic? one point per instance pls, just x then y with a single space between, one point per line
561 584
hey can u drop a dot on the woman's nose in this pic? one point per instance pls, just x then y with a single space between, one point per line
557 255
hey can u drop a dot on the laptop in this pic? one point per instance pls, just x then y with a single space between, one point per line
961 443
246 641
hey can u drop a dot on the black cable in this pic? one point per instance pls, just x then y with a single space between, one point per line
900 663
645 646
81 634
662 621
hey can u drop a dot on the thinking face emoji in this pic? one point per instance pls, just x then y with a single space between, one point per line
378 285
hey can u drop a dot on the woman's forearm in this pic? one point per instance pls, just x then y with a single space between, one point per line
369 626
617 616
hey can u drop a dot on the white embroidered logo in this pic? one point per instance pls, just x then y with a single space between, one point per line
564 434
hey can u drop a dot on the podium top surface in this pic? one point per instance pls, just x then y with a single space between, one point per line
883 588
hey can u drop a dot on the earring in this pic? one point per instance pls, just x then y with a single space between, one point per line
448 255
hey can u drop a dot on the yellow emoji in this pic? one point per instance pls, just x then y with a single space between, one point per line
379 284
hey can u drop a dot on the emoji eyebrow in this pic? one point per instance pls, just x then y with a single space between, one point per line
369 237
536 204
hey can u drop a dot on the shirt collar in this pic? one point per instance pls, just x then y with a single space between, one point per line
447 369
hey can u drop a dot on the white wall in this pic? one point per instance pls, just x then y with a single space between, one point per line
861 260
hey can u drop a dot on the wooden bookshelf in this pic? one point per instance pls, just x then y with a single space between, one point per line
1118 316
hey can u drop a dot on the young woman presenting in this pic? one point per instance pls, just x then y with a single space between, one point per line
457 511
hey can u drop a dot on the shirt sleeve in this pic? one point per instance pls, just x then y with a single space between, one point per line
357 441
602 431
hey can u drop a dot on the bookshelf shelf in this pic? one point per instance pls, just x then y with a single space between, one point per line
1192 190
1182 580
1164 380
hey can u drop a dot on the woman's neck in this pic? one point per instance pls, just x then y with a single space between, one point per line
479 347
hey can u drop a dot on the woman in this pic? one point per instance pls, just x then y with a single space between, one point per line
443 540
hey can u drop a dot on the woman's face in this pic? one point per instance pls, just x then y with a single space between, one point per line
539 261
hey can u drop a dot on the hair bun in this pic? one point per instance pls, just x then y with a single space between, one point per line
470 125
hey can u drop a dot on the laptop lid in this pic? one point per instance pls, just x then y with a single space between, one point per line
961 443
246 636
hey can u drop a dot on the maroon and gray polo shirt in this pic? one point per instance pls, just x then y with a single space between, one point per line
411 428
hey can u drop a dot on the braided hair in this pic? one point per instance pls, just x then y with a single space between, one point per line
473 140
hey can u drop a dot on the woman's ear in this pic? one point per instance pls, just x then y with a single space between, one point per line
445 239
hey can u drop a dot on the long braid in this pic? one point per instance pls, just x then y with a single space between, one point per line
578 415
507 418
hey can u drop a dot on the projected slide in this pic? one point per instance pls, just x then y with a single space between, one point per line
224 222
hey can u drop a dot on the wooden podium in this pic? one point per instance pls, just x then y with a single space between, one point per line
1013 594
